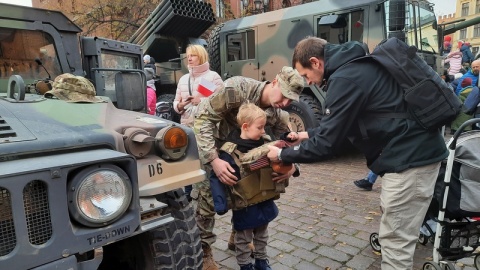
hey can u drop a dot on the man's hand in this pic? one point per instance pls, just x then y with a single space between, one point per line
224 171
273 153
278 177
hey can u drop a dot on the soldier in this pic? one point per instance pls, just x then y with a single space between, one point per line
406 155
216 118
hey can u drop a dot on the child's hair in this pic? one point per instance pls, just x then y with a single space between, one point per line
248 113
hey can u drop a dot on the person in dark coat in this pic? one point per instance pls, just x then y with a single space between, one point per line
467 55
406 155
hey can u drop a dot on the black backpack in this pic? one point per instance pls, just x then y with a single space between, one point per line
430 101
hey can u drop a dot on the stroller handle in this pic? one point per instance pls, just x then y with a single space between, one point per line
459 131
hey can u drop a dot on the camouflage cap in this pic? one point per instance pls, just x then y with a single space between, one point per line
71 88
291 83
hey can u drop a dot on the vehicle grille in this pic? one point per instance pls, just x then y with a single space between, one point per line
5 129
8 240
37 212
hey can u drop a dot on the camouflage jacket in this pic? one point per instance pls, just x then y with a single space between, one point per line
216 116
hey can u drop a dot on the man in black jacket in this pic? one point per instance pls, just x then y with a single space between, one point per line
406 155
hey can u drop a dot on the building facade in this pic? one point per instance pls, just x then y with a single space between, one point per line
468 9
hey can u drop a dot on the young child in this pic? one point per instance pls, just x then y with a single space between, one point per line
250 222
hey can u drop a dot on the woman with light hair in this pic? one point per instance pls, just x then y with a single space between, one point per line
195 86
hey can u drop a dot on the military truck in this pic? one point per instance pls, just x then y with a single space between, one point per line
87 185
165 35
258 46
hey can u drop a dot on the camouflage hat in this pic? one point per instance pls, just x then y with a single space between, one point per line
71 88
291 83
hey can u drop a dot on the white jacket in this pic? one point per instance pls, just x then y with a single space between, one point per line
195 74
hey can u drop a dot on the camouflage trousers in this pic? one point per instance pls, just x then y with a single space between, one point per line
204 209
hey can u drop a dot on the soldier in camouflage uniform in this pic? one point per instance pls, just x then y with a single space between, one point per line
216 118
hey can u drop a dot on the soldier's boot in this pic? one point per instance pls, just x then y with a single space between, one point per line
208 261
231 243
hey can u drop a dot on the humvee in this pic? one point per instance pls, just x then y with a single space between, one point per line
258 46
87 185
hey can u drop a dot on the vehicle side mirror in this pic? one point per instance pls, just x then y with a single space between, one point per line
396 15
130 91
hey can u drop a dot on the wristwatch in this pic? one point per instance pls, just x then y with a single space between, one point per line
279 157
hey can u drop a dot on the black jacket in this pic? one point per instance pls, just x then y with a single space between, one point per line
355 92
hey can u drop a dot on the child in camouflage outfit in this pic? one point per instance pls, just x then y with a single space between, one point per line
251 222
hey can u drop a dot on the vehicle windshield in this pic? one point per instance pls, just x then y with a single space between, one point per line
20 48
419 25
115 60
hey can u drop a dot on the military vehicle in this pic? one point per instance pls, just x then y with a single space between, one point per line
258 46
165 35
87 185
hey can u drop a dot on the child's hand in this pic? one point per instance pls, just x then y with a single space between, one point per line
292 136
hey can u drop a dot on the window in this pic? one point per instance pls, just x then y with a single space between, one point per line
348 27
241 46
477 7
476 30
474 51
463 34
464 9
20 48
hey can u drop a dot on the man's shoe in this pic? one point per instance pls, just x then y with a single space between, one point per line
363 183
247 267
262 265
208 261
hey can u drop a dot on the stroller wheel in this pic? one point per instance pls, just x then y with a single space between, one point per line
431 266
423 239
374 242
477 261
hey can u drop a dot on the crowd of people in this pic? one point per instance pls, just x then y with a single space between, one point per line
241 116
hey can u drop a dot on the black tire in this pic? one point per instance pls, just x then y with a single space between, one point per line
423 239
213 49
171 114
176 245
374 243
305 114
477 261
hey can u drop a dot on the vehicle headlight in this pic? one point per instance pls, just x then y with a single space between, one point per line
172 142
99 195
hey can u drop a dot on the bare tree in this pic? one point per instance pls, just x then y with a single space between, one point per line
114 19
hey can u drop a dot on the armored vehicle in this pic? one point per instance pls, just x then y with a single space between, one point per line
258 46
165 35
87 185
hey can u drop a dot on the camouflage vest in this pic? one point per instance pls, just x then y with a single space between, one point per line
255 185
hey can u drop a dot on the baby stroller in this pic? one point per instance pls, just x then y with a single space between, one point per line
458 230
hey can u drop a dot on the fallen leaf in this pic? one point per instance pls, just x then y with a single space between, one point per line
459 264
322 188
369 218
335 234
328 268
281 255
310 227
429 258
377 253
374 213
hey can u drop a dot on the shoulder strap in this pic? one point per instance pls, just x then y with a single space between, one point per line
189 86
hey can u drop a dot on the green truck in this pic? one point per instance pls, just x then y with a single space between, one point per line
88 185
258 46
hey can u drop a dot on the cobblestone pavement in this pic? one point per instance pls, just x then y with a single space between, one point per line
325 222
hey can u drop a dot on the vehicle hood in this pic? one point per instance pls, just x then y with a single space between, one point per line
55 125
